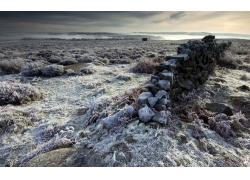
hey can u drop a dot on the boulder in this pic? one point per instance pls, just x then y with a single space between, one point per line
143 98
219 108
153 88
145 114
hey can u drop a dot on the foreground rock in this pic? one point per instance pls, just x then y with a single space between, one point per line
219 108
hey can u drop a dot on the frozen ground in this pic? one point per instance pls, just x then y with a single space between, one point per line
55 131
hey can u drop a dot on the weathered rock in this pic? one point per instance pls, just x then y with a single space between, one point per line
153 88
187 84
152 101
145 114
154 79
167 76
112 121
162 101
159 118
160 107
131 111
161 93
219 108
164 84
143 98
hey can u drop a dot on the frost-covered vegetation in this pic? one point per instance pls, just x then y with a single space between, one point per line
66 125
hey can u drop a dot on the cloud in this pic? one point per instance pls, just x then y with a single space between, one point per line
177 15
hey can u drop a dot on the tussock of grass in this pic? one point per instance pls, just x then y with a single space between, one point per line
14 93
32 69
12 66
144 66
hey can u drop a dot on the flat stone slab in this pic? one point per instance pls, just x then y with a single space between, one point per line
145 114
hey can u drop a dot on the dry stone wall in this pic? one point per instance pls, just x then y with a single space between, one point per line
180 73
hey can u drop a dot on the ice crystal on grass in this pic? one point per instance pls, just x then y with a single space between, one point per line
15 93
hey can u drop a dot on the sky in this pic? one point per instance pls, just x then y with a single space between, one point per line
125 21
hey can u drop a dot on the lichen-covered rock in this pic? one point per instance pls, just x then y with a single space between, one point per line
145 114
53 70
143 98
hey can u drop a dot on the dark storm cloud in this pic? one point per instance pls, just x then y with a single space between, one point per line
69 19
177 15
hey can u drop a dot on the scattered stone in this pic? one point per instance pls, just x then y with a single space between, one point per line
219 108
145 114
113 121
167 76
143 98
131 111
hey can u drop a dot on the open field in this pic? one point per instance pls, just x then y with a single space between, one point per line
64 90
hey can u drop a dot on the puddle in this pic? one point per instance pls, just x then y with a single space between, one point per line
76 67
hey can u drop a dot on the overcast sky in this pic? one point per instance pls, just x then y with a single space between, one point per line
125 22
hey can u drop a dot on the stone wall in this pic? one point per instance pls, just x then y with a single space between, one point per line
181 73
